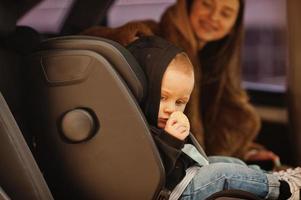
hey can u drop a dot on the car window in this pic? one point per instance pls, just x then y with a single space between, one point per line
265 46
48 16
123 11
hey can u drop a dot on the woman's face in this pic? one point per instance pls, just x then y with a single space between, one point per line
213 19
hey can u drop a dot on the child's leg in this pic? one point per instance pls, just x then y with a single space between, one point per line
228 159
225 159
222 176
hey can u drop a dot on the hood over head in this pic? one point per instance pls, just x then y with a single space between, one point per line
153 55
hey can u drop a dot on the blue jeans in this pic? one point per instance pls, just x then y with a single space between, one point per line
224 173
228 159
225 159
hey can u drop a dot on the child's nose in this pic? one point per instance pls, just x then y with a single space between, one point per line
170 108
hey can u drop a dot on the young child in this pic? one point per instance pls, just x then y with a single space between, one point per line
170 82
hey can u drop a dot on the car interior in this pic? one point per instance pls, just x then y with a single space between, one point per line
58 132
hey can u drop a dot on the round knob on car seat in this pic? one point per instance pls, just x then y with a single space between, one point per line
78 125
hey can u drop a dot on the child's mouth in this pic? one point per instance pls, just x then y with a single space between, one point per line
162 122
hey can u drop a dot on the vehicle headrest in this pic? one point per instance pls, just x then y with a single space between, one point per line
120 58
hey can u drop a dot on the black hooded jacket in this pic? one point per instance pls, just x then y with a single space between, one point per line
154 55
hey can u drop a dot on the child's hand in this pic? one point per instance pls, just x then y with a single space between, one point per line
178 125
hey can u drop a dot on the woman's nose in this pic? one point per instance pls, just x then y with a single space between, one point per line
214 15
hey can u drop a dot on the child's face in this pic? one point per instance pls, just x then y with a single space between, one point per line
175 90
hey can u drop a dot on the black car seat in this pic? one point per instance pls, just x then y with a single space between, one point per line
92 139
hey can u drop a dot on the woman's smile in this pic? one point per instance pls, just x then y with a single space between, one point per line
208 26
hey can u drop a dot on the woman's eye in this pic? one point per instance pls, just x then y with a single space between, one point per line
207 3
226 15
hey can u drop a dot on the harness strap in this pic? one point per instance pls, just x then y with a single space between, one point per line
179 189
195 155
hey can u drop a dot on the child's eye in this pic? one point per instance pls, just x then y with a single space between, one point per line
162 98
180 102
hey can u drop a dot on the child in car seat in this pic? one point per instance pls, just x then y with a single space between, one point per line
170 79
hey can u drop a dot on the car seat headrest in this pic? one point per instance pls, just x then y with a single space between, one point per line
119 57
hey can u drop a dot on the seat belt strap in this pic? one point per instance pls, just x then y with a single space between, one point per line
195 155
179 189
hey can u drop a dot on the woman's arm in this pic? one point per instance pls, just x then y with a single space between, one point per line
124 34
234 128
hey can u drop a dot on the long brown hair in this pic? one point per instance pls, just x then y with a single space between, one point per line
220 67
215 57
